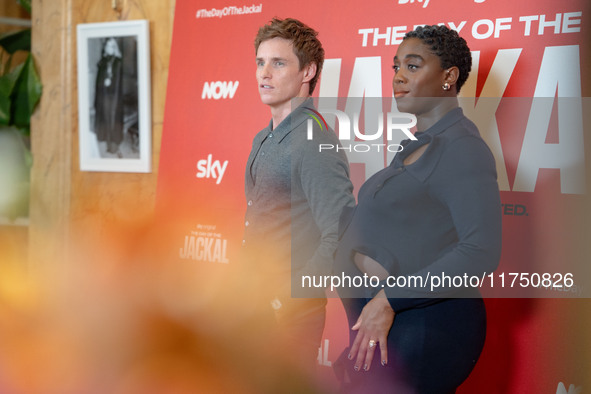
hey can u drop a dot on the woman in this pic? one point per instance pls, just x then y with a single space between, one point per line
433 212
108 103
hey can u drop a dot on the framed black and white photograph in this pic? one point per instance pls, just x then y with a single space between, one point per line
114 96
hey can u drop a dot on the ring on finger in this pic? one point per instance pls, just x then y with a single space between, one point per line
372 343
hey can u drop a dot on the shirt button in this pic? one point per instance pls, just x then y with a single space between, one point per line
249 203
246 223
271 135
243 242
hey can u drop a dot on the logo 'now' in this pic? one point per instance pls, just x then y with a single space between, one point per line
218 89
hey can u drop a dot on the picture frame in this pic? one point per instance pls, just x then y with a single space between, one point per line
114 96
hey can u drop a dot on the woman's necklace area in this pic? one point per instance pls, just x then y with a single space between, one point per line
109 72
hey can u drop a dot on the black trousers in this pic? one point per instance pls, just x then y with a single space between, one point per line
431 350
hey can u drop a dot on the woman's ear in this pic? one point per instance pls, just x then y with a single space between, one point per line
451 75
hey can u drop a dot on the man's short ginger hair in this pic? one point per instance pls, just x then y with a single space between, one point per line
306 45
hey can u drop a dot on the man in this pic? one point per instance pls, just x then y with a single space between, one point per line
295 193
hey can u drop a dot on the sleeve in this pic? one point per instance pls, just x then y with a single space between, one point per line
464 181
324 178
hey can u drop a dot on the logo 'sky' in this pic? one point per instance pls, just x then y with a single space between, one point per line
211 169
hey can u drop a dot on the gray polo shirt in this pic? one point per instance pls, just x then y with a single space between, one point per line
295 194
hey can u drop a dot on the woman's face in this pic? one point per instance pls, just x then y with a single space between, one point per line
111 47
418 77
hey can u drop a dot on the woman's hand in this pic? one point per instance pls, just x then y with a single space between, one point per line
372 328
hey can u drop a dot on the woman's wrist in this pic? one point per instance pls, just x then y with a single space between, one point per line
382 300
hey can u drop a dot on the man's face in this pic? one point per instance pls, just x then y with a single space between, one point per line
278 73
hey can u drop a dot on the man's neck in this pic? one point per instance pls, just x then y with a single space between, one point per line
280 113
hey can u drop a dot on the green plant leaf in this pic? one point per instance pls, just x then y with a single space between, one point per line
8 81
26 4
7 84
16 41
26 94
4 110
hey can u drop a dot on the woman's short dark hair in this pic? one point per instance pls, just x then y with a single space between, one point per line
451 49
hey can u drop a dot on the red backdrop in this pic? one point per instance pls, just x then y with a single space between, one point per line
530 59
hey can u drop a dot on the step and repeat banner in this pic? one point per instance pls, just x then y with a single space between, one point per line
527 92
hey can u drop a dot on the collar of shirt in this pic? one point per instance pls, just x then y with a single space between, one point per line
421 169
291 122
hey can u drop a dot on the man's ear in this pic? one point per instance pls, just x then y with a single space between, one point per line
309 72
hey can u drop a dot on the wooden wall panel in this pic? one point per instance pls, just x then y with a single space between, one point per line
70 207
51 132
